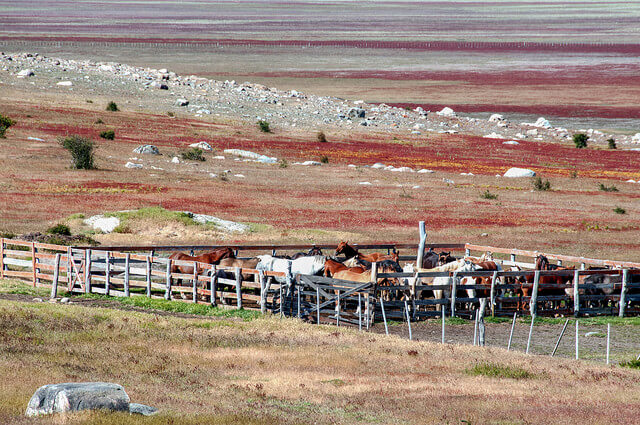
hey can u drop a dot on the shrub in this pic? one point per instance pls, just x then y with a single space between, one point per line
605 188
488 195
284 163
264 126
574 174
619 210
81 150
108 134
194 154
324 159
539 184
634 364
495 370
580 140
321 137
171 114
5 123
612 143
99 121
112 107
59 229
122 228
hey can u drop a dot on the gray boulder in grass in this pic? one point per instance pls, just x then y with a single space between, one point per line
73 397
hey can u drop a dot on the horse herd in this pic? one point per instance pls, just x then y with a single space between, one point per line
356 267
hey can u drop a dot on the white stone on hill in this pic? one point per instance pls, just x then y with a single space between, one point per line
147 149
494 135
102 223
519 172
132 165
446 112
425 171
365 183
65 83
308 163
378 165
226 225
252 155
510 142
496 118
175 160
26 73
37 139
201 145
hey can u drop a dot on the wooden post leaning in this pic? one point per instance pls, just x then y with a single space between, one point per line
623 292
126 274
213 285
167 293
533 302
239 287
576 293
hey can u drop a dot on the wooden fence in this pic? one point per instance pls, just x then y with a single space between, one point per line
110 271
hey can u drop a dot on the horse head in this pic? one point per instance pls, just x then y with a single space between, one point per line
341 247
445 258
315 251
542 262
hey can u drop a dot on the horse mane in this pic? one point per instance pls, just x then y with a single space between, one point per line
390 264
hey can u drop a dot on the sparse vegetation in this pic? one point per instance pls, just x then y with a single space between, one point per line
612 143
606 188
59 229
81 150
321 137
324 159
488 195
112 107
580 140
574 174
193 154
619 210
99 121
156 214
633 364
5 123
539 184
264 126
170 114
495 370
108 134
283 163
122 228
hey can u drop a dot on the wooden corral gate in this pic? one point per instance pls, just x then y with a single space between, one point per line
110 271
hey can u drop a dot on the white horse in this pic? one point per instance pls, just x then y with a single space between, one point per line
303 265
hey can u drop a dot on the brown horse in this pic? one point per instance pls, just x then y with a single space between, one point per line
212 257
331 267
542 263
251 263
384 267
350 252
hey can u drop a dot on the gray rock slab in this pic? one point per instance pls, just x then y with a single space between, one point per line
76 396
142 409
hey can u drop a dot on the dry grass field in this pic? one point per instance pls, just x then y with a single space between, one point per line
266 370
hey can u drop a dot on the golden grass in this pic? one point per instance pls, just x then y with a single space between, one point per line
283 371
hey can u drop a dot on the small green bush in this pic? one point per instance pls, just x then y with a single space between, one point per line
605 188
495 370
81 150
193 154
283 163
324 159
122 228
580 140
264 126
59 229
99 121
108 134
612 143
112 107
539 184
488 195
5 123
634 364
170 114
619 210
321 137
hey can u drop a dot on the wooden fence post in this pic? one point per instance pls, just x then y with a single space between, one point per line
194 285
289 280
608 340
533 318
87 271
559 338
359 311
167 293
70 262
423 240
1 258
107 273
213 285
56 271
148 262
263 294
623 292
481 333
338 309
577 341
239 287
126 275
299 288
33 261
406 309
384 316
533 302
444 307
513 325
512 258
576 294
454 284
318 304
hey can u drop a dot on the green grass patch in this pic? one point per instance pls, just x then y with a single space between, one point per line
455 321
598 320
18 287
496 370
498 319
153 213
633 364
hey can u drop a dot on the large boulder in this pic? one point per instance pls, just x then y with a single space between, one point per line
147 149
519 172
73 397
446 112
356 113
102 223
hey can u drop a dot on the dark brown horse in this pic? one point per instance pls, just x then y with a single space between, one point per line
212 257
350 252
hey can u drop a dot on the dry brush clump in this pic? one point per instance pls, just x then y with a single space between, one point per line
284 371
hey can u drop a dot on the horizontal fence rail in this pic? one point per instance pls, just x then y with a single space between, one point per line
137 271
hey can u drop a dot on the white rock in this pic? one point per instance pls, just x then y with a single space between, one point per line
26 73
365 183
65 83
182 102
447 112
630 181
102 223
510 142
401 170
239 175
252 155
132 165
419 126
541 122
226 225
37 139
308 163
496 118
532 132
447 181
201 145
635 138
218 157
519 172
416 187
378 165
494 135
425 171
352 166
175 160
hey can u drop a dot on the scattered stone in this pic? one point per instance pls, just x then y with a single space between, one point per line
447 112
484 235
378 165
519 172
510 142
365 183
252 155
65 300
202 145
65 83
496 118
447 181
494 135
308 163
226 225
175 160
182 102
37 300
73 397
142 409
37 139
425 171
132 165
239 175
532 132
356 113
26 73
147 149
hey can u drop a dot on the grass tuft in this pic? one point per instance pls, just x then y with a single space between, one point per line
633 364
496 370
